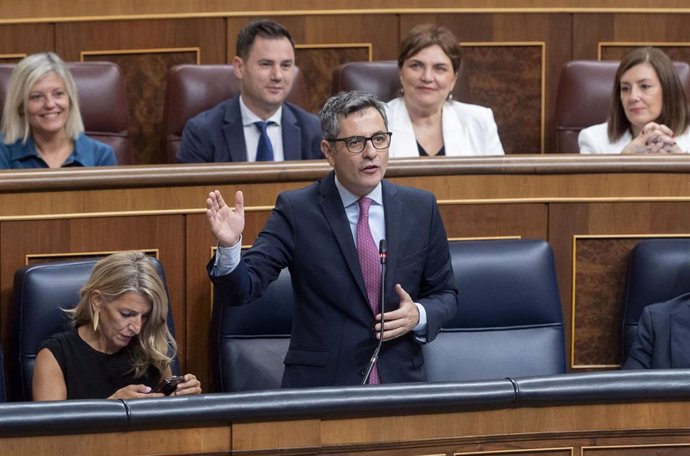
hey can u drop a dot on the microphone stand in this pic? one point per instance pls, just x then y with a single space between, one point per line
383 254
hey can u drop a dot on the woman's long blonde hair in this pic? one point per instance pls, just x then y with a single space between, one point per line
132 272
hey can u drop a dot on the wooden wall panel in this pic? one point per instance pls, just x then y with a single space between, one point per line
590 30
24 39
599 277
679 449
508 77
381 30
616 51
50 9
317 63
527 221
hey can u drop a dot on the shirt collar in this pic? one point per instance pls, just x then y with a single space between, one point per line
349 198
248 117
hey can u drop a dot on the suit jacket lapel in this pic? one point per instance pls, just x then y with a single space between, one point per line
680 337
233 132
332 207
292 137
455 135
393 213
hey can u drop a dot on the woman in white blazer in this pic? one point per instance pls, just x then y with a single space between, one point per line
425 120
648 112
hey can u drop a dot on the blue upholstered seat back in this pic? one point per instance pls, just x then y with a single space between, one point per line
40 292
249 342
509 321
659 269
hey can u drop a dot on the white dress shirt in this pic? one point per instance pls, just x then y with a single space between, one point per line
251 133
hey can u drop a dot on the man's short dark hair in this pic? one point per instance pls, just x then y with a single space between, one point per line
342 105
260 27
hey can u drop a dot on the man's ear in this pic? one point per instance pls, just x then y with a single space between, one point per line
327 150
238 67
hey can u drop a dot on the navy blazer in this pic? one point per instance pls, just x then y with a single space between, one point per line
663 336
333 334
217 135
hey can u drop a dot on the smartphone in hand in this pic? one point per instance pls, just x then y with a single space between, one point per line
167 385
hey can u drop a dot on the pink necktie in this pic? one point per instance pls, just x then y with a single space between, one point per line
370 264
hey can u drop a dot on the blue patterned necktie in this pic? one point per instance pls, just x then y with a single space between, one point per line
264 150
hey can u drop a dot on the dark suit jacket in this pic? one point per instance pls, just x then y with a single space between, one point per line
217 135
663 336
332 327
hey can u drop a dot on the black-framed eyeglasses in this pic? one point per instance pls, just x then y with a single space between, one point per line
356 144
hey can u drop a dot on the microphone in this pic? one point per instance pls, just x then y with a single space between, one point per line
383 256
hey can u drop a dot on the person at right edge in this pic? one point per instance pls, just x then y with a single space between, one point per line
649 112
662 336
321 234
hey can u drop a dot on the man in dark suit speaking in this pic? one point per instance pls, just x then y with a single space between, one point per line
325 234
257 125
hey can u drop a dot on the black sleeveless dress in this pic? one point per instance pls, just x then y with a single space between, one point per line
90 374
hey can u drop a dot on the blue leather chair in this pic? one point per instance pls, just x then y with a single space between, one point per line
40 292
509 321
249 342
659 269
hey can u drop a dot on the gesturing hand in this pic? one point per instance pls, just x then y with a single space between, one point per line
400 321
226 223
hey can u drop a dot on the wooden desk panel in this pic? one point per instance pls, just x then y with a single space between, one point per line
628 429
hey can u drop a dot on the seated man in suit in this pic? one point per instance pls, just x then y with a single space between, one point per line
662 336
257 125
326 234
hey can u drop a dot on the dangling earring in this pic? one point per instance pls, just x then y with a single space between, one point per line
96 316
402 91
450 96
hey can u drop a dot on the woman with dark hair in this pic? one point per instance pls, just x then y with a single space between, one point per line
425 120
648 112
